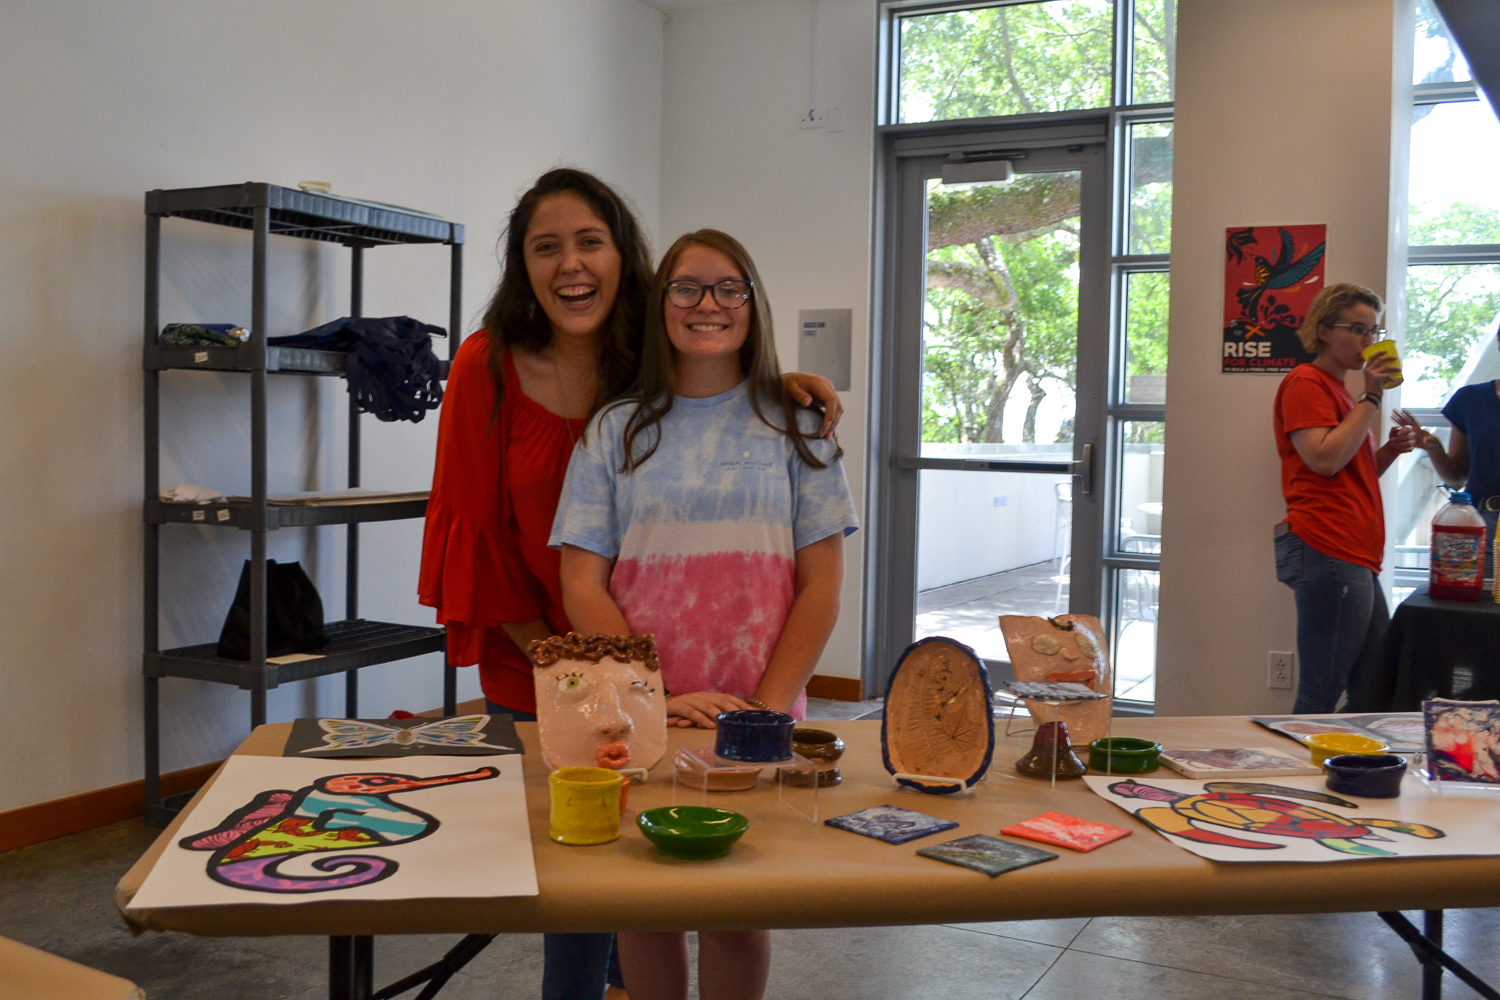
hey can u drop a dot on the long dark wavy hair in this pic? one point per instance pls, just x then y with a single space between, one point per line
652 391
514 316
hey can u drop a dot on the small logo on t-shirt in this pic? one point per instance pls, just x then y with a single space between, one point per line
745 462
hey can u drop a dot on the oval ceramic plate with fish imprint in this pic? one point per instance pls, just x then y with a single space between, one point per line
937 715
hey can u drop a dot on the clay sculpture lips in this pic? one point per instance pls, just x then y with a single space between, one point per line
612 755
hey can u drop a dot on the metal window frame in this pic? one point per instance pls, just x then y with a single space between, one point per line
898 140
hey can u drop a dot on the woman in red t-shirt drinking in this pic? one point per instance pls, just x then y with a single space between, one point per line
1329 548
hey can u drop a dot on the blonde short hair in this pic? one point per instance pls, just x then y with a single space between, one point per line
1329 306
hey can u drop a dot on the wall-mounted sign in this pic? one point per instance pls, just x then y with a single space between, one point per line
1271 275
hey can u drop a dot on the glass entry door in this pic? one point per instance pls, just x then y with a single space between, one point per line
997 363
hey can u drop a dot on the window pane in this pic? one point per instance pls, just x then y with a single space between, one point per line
1136 598
1013 60
1147 296
1154 41
1000 341
1437 58
990 544
1452 311
1454 197
1150 208
1144 445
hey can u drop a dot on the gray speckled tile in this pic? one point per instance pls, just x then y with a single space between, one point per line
1078 974
1339 954
1059 933
903 963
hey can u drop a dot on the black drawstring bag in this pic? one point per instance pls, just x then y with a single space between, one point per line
294 614
391 369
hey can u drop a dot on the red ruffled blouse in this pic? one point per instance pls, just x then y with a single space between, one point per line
495 488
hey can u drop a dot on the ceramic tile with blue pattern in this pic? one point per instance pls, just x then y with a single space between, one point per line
987 854
891 824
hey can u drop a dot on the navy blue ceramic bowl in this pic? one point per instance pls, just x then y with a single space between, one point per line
1366 775
754 736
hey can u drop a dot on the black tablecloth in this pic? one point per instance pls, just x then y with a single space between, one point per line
1434 649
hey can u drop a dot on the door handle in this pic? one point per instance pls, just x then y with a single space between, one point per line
1084 468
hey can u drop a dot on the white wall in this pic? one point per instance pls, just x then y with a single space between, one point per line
451 107
736 80
1313 128
963 534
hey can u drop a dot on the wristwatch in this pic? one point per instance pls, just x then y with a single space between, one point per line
1370 397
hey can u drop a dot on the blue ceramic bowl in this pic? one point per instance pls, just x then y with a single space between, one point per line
753 736
1366 775
692 831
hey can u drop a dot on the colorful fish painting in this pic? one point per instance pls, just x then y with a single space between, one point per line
339 812
1252 807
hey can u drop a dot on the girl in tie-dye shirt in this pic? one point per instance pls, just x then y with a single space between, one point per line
702 507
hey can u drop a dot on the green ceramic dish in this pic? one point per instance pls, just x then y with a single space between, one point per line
1124 755
692 831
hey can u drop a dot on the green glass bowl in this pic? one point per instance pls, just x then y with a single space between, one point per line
1124 755
692 831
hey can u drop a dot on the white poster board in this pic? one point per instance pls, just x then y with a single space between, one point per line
1246 820
284 830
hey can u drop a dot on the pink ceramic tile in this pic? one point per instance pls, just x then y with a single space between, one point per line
1067 831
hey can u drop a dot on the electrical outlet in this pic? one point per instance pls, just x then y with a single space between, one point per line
1279 668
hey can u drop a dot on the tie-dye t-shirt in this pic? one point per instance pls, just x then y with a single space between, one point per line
704 534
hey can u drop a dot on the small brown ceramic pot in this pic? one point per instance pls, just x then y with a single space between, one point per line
822 748
1051 754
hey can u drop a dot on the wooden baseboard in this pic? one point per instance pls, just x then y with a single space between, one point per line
35 823
836 688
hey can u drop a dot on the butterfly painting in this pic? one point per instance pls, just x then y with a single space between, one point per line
460 735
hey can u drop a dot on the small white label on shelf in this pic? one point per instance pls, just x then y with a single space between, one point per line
222 514
198 515
200 357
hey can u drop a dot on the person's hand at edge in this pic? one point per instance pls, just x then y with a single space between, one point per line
814 391
700 708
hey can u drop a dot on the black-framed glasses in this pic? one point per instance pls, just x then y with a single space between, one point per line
1358 329
731 293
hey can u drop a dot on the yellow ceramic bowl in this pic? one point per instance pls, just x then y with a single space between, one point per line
1325 745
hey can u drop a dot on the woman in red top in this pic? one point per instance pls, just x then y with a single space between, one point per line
562 336
1329 548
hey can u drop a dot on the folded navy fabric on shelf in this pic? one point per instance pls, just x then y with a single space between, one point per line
391 369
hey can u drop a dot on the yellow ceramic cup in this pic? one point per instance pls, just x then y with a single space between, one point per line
586 805
1388 347
1325 745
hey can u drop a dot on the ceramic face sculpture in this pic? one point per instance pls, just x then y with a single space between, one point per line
599 701
1065 648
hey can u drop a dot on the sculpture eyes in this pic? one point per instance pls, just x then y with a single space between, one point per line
573 682
642 685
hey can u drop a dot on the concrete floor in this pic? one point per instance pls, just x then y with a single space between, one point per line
57 896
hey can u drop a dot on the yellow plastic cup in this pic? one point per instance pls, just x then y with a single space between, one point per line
1389 347
1325 745
586 805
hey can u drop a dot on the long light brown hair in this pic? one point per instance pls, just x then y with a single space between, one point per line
652 392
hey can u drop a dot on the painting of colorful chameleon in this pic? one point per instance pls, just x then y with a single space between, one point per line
1253 807
339 812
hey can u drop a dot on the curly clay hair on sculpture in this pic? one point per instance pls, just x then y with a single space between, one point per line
631 648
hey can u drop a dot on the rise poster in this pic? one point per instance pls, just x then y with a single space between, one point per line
1271 275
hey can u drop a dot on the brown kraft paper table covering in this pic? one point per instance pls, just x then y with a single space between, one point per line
788 872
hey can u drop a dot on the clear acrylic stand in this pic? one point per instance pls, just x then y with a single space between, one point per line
700 763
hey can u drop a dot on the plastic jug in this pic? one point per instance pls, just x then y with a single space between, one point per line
1457 551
